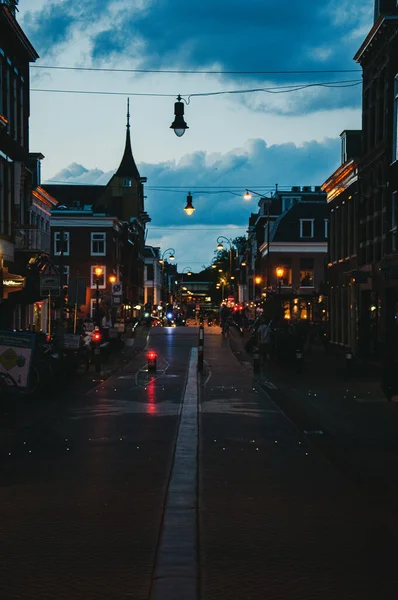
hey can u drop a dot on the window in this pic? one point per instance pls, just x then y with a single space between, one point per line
306 228
93 305
127 182
101 278
150 272
306 272
288 201
57 243
326 228
98 244
286 280
395 133
65 280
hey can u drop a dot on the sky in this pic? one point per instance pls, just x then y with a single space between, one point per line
199 50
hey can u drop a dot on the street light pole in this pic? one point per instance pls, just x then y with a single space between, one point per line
98 272
162 261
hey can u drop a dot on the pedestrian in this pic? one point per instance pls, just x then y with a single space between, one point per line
224 316
265 340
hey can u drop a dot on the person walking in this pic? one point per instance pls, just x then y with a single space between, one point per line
265 341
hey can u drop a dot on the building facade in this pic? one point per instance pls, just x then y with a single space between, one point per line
16 54
291 233
104 226
153 277
343 273
378 185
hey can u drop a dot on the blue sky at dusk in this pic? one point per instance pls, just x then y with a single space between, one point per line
234 141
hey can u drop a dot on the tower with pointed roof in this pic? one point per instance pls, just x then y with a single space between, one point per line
124 193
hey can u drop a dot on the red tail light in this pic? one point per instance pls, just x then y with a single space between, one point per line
152 355
48 338
97 336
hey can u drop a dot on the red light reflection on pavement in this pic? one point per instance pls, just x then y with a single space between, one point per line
151 408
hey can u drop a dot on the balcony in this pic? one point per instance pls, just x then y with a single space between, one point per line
31 239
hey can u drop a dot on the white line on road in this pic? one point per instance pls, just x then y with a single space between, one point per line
176 572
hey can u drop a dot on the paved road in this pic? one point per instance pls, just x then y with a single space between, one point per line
82 491
105 497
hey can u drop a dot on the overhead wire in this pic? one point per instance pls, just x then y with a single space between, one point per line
270 90
194 71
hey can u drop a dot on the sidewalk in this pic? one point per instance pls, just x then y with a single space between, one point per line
345 413
276 519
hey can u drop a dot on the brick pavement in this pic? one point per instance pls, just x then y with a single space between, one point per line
359 426
277 520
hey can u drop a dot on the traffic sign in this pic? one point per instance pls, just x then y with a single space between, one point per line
117 289
49 284
50 270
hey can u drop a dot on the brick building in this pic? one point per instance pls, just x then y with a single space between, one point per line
343 273
378 184
103 226
290 232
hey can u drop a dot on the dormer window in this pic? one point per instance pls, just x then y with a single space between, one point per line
306 228
127 182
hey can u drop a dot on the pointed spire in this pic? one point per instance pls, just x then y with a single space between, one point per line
127 167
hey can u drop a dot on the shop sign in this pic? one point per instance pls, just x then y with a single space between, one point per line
16 353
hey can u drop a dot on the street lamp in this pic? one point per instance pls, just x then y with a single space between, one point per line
280 271
248 196
179 124
189 209
171 253
257 280
98 272
112 278
221 247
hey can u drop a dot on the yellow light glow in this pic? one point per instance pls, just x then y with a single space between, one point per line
98 271
247 195
258 280
280 271
112 278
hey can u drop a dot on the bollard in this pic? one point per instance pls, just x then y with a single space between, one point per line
201 342
152 361
256 359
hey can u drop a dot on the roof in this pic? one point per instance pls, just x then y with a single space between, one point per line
127 167
287 226
376 29
17 31
67 194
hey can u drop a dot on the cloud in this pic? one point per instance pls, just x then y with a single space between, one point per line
218 181
247 35
220 210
